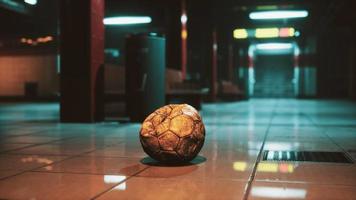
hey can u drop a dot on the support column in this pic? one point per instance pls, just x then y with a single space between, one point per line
214 66
82 59
184 35
200 42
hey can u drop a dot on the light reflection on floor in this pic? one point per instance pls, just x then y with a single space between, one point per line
43 159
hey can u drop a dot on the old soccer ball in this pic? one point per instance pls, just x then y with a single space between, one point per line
174 133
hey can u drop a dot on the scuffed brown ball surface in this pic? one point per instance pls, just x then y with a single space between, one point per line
173 133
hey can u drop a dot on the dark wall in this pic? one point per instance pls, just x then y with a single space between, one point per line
333 68
165 21
200 40
273 75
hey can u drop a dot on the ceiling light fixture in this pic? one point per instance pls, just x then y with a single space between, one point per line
127 20
278 14
274 46
31 2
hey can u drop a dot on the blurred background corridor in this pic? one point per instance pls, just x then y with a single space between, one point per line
274 80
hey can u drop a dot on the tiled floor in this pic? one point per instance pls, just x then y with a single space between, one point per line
43 159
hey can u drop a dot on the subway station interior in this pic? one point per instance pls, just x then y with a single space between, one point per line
274 82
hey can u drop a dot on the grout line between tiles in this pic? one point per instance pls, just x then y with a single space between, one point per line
34 133
38 167
33 145
254 170
67 172
326 135
55 162
110 188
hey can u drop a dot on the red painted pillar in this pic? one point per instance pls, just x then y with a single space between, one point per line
184 35
82 59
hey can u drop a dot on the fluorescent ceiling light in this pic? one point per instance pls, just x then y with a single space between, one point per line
31 2
127 20
274 46
278 14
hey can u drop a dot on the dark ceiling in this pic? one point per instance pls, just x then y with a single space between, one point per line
43 18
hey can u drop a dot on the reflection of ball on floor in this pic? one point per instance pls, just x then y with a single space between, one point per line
173 133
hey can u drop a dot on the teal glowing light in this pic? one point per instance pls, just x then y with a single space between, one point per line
31 2
127 20
278 14
274 46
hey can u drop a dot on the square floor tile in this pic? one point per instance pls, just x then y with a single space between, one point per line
268 190
8 173
26 162
97 165
180 189
9 147
36 185
320 173
56 149
30 139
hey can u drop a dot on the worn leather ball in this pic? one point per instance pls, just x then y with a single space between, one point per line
174 133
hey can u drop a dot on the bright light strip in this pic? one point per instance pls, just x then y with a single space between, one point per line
278 14
278 192
240 33
127 20
31 2
267 32
113 178
274 46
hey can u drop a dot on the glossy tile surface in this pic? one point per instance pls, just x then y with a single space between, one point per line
268 190
43 159
175 189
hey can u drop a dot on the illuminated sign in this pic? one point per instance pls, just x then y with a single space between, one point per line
272 32
267 33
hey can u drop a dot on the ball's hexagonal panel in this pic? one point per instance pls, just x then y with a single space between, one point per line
168 141
182 125
173 133
190 111
187 147
168 156
150 144
176 110
199 131
147 129
165 110
163 126
157 119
